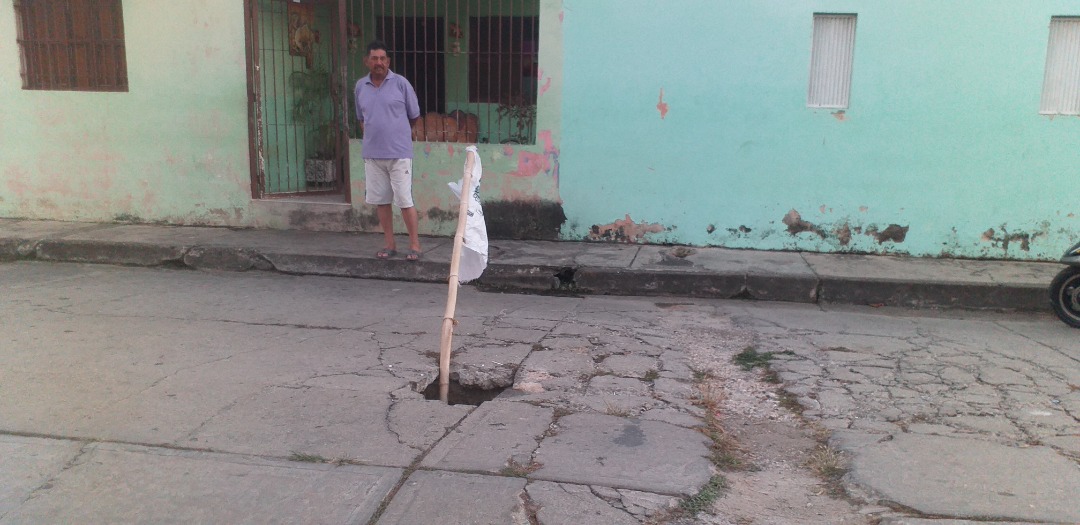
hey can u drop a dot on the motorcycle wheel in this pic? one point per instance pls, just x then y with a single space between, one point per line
1065 296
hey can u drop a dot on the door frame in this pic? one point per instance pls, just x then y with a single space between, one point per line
338 52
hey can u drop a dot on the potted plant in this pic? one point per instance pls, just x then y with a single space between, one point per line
313 110
522 115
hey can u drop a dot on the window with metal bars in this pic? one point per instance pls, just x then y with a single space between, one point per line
473 63
72 45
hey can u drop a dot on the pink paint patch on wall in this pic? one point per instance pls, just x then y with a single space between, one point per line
16 181
661 105
545 137
450 149
531 164
508 151
545 86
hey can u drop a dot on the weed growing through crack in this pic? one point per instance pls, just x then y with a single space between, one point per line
789 401
612 409
750 358
703 500
651 375
307 458
831 465
772 378
725 451
518 470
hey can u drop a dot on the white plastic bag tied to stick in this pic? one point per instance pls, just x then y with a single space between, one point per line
475 256
469 257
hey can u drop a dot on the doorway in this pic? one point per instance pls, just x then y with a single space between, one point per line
297 98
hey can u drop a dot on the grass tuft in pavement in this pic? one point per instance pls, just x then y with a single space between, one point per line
307 458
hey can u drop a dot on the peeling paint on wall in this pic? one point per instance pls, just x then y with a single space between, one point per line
843 234
623 230
661 105
1005 239
893 233
796 225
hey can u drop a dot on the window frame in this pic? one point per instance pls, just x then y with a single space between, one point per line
824 69
1061 71
83 47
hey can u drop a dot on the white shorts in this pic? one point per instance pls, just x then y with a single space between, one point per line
389 181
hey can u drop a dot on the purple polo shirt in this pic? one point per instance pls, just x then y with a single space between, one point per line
386 111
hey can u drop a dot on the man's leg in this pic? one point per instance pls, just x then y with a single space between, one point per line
401 180
386 222
412 224
381 194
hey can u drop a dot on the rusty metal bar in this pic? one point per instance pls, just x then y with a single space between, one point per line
254 122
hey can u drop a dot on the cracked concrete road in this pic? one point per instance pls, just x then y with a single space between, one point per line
966 415
155 395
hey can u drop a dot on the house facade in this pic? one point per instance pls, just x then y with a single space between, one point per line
909 127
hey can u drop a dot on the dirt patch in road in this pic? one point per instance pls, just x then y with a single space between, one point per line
780 488
775 482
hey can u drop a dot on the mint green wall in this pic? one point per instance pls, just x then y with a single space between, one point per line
173 148
942 136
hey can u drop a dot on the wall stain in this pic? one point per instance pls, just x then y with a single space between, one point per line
796 225
661 105
622 230
441 215
514 219
710 228
894 233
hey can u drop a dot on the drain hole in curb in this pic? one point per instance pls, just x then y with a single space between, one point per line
462 395
566 277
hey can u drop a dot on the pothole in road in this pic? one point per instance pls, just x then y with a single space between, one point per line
462 395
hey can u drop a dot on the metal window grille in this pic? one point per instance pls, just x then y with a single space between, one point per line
831 60
1061 84
73 45
473 63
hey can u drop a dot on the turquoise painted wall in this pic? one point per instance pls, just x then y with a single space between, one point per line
942 135
173 148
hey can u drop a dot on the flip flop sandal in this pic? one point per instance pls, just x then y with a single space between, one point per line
385 253
413 256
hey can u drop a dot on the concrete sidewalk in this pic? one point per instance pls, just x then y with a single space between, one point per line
543 266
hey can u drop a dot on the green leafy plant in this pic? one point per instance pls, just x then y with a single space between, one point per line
312 109
522 114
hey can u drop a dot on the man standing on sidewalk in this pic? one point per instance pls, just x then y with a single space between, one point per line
386 107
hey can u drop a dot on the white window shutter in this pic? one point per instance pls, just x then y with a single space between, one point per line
1061 85
831 58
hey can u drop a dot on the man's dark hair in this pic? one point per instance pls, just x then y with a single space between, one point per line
376 44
